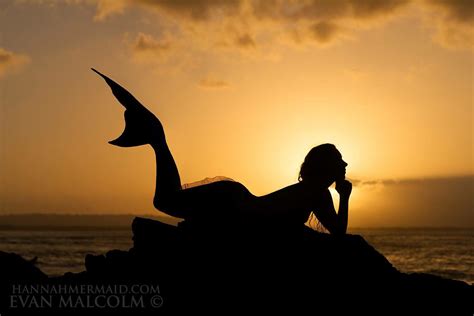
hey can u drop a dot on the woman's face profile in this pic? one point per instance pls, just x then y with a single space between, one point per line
335 166
340 167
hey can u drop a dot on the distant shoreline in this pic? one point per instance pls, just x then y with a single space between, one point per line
62 228
42 221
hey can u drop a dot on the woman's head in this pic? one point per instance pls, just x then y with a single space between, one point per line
324 165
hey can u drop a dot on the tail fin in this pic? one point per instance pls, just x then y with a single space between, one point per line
137 117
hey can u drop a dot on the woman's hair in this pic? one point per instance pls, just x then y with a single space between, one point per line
317 161
316 164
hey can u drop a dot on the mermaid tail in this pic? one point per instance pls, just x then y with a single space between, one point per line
141 126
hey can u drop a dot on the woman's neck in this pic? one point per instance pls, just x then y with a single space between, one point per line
316 184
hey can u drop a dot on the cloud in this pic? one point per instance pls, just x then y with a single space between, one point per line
323 22
210 83
197 10
145 43
245 41
321 10
106 8
453 21
146 48
374 8
300 22
461 11
11 62
442 201
316 20
324 32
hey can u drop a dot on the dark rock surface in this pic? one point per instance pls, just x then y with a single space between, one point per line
204 268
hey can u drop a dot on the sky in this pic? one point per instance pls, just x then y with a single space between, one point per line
244 89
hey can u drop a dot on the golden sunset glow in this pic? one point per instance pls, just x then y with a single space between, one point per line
244 89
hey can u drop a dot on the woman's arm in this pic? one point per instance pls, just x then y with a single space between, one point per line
344 188
335 223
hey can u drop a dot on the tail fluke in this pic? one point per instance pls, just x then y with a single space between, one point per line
122 95
140 123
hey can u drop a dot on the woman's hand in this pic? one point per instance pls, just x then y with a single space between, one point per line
344 188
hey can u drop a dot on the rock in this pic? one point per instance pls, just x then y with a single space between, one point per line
15 267
203 267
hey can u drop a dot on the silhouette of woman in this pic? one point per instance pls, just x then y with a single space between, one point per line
289 206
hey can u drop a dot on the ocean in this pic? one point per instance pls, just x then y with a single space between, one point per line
445 252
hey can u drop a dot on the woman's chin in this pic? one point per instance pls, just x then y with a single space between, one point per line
340 178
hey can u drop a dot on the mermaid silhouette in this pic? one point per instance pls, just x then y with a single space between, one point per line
286 208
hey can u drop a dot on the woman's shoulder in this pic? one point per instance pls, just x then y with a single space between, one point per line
312 189
314 194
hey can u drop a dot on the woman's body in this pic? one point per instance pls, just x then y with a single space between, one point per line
291 205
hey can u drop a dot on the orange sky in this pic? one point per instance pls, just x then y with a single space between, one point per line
244 89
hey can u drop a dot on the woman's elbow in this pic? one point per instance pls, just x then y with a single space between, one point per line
338 230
